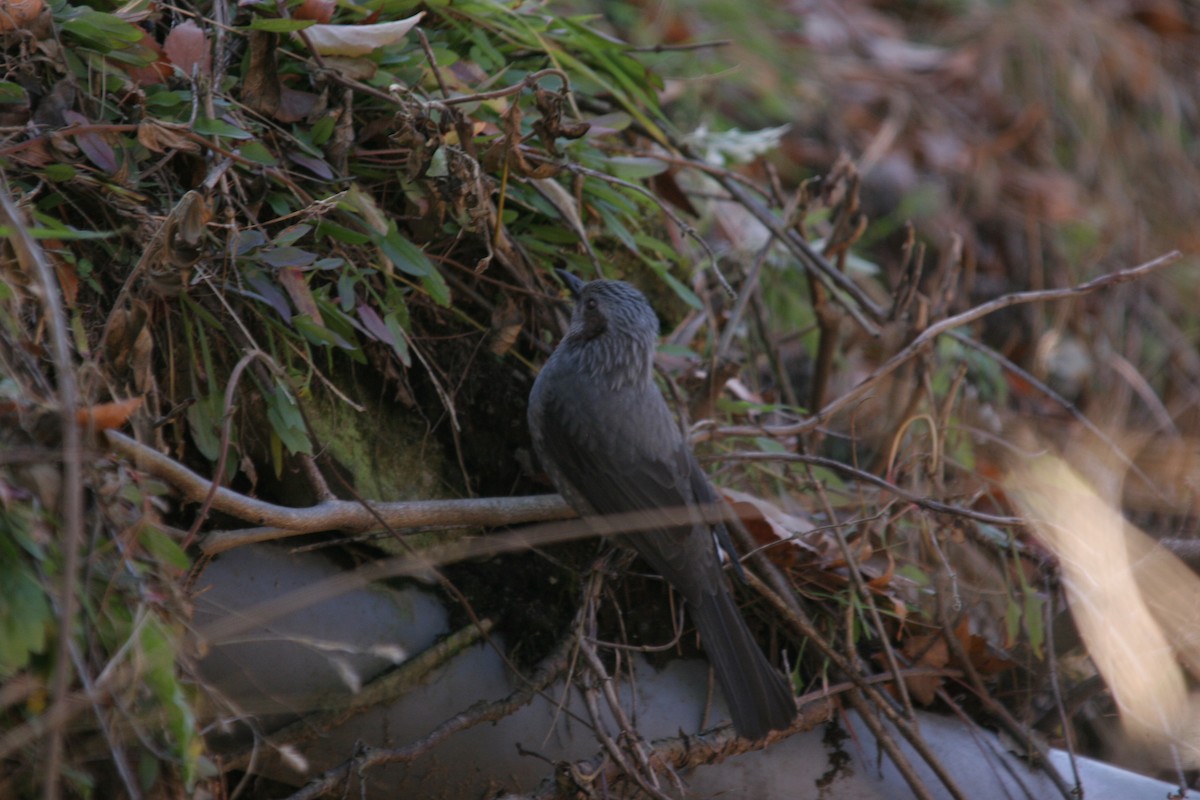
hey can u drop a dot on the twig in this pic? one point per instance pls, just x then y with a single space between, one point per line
226 432
1066 405
478 714
433 65
677 48
882 483
681 752
832 278
899 761
379 692
34 262
750 283
115 749
686 229
944 326
795 617
530 80
645 778
283 521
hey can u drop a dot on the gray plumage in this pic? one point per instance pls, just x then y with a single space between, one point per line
604 434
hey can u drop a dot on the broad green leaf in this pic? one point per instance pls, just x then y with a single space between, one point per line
98 29
291 234
436 286
217 127
254 150
634 168
287 421
163 547
405 255
204 422
13 93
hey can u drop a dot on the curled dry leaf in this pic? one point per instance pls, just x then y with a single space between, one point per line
507 322
925 651
358 40
160 137
19 13
106 416
769 524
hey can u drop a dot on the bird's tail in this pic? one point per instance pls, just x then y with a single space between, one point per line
759 699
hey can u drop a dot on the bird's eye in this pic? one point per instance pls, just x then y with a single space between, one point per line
590 304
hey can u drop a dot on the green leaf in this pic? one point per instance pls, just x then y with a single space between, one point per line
158 646
256 151
436 286
287 421
24 626
163 100
340 233
98 29
59 172
217 127
634 168
318 334
915 574
400 339
66 234
287 257
685 294
1034 622
13 93
204 422
322 129
163 548
769 445
291 234
405 255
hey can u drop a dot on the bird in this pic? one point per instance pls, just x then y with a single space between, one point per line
604 434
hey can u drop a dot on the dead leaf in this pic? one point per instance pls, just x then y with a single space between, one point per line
158 71
319 10
925 651
297 289
358 40
507 322
984 657
295 105
93 144
161 137
68 279
18 13
106 416
769 525
141 361
261 87
187 47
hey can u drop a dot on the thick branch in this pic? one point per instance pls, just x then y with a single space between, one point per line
336 514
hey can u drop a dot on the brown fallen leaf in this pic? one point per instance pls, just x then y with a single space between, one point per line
106 416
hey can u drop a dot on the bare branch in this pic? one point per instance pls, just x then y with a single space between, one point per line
937 329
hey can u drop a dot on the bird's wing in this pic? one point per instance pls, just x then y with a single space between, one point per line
637 462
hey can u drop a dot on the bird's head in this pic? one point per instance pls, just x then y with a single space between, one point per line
609 307
613 327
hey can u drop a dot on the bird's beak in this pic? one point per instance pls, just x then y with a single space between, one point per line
573 283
